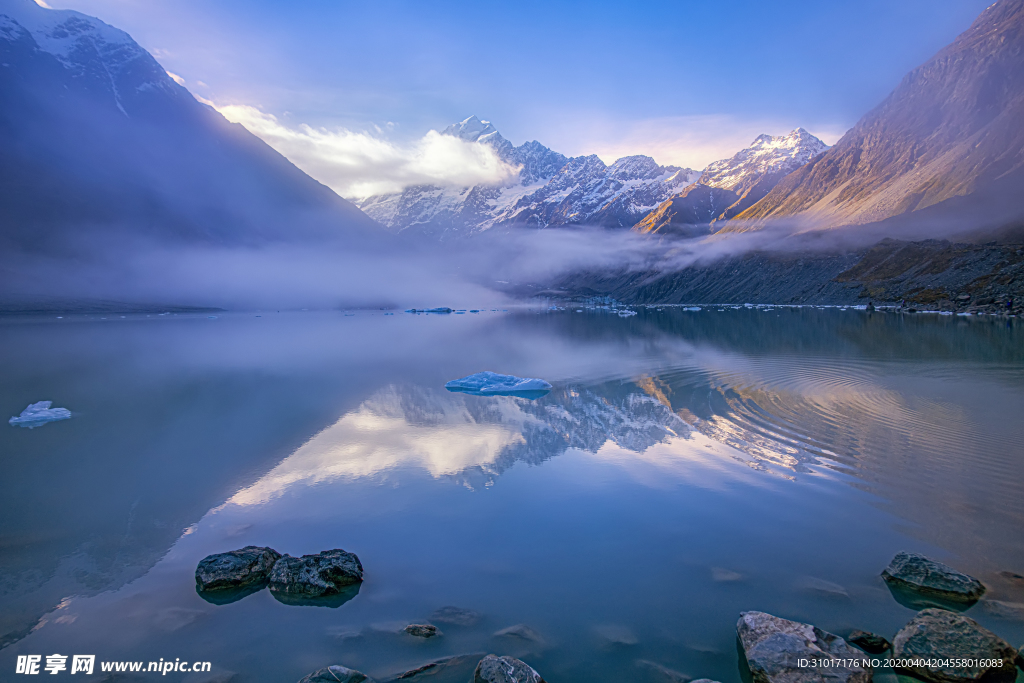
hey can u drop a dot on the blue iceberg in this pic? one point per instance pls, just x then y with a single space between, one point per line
492 384
38 414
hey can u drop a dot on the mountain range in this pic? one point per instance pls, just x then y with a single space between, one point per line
553 190
550 190
942 155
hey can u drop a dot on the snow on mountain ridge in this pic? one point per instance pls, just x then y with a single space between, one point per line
59 31
766 155
87 47
551 190
471 129
729 186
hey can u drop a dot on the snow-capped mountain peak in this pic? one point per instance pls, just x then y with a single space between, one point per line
728 187
94 52
471 129
767 155
62 31
636 167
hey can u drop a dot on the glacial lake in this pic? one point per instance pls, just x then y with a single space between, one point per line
687 466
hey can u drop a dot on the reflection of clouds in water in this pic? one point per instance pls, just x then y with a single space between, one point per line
451 435
377 437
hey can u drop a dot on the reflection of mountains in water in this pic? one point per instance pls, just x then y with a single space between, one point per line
586 419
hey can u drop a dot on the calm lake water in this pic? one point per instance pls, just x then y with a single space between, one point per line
687 466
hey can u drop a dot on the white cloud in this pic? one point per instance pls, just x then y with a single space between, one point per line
43 4
176 78
357 164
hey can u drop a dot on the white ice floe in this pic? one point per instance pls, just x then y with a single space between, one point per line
489 383
38 414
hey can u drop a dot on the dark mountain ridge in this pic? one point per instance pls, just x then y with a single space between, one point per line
951 131
98 144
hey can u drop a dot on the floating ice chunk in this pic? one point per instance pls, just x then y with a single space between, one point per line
38 414
492 384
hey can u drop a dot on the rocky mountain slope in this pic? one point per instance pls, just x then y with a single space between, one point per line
950 132
550 190
729 186
98 145
929 275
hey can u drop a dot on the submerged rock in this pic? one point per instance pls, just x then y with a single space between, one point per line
455 616
1004 610
337 674
937 636
244 568
616 635
723 575
914 572
459 667
38 414
774 648
1012 577
422 630
521 631
663 672
869 642
317 575
489 383
494 669
824 588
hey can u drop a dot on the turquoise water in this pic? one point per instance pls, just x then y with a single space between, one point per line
687 466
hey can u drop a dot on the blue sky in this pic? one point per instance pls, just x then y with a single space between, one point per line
686 82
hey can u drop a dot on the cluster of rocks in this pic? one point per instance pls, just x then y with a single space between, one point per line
938 645
237 573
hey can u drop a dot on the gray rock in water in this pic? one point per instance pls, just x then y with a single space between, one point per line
422 630
521 631
317 575
236 569
869 642
455 616
337 674
937 635
914 572
494 669
774 648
